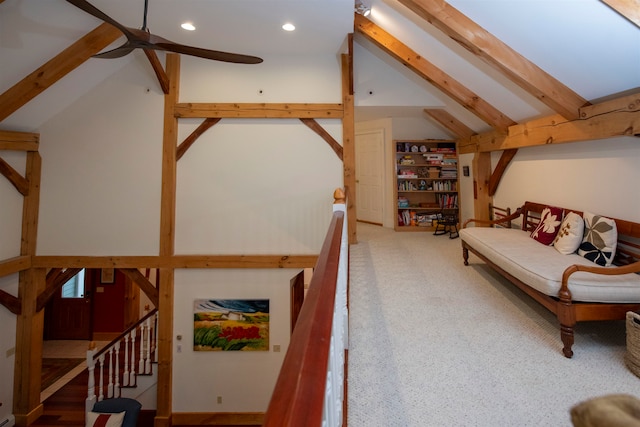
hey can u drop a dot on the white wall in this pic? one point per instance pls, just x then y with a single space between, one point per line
10 235
7 347
597 176
245 380
247 186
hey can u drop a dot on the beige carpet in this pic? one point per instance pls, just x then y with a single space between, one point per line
435 343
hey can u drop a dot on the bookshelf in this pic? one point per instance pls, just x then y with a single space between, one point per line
426 182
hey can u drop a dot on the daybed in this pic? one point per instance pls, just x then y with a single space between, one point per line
568 284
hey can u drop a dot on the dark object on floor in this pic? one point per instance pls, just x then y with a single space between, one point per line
131 407
614 410
447 223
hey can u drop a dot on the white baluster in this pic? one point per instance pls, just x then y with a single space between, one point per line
117 384
147 340
110 378
125 374
101 382
132 374
91 383
141 352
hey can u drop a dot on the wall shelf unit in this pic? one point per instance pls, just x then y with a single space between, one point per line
426 183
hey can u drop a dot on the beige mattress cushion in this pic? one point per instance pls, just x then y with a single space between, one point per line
541 266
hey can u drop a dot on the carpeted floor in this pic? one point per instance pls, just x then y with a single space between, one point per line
55 368
435 343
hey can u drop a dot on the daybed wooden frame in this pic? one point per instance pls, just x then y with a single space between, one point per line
568 312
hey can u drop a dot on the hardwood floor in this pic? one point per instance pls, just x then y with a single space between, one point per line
66 406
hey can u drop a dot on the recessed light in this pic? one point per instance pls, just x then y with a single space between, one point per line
188 26
288 27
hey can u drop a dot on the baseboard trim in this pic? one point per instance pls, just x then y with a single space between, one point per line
217 418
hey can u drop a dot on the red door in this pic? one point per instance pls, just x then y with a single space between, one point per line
69 313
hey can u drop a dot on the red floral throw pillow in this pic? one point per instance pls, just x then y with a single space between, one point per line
549 225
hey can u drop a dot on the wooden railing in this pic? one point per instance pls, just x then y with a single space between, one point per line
310 390
134 350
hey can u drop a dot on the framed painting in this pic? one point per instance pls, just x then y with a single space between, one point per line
231 325
107 275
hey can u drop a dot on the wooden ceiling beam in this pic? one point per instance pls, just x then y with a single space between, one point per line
191 139
19 182
56 68
630 9
610 119
258 111
19 141
315 126
428 71
493 51
161 75
452 124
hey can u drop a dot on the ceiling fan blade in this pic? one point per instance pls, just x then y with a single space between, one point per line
92 10
143 39
216 55
118 52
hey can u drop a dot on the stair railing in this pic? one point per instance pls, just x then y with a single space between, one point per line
140 354
310 390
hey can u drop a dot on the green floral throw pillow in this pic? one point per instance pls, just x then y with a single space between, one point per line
600 239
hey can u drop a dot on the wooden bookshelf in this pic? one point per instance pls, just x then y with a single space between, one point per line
426 182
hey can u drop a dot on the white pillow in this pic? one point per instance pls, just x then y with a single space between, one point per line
600 239
96 419
570 235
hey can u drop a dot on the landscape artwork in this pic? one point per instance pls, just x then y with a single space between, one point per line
231 325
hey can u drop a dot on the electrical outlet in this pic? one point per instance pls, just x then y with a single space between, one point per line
219 399
276 348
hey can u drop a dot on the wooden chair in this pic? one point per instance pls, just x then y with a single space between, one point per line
447 222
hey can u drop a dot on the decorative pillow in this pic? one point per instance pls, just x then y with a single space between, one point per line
549 225
570 235
600 239
96 419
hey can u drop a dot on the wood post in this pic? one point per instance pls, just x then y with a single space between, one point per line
30 323
167 243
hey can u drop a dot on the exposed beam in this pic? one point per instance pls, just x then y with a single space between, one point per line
501 167
167 246
191 139
619 117
260 111
144 283
175 261
158 69
450 123
13 304
428 71
14 265
17 180
19 141
56 68
348 143
493 51
315 126
630 9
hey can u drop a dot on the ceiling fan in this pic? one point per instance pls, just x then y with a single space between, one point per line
142 38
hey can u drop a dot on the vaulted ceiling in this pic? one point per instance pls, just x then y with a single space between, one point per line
483 65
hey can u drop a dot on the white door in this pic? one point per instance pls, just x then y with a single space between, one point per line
370 176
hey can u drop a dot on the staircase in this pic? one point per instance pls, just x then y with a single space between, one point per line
124 368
